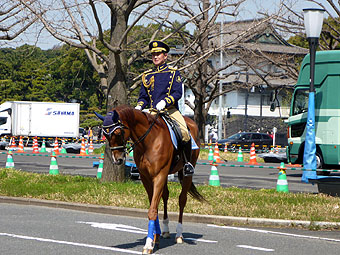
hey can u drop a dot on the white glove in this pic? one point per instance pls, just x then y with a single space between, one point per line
161 105
138 107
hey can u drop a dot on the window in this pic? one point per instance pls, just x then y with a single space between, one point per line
246 137
257 136
3 120
266 137
300 101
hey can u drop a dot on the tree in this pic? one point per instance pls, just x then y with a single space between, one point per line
14 19
292 23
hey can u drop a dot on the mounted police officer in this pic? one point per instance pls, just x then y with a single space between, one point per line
161 90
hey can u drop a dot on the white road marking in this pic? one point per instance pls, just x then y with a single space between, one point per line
70 243
131 229
254 248
119 227
200 240
276 233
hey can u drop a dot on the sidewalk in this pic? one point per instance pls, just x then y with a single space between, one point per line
188 217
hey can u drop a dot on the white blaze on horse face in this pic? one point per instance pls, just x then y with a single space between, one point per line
117 156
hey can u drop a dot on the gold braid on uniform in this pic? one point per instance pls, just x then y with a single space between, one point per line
146 83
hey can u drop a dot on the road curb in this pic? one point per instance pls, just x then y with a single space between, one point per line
188 217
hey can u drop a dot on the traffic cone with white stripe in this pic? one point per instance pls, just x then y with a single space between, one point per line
82 148
54 170
91 147
56 146
9 162
43 147
210 155
217 154
35 145
12 143
63 150
214 179
225 147
240 155
282 183
100 166
21 145
252 160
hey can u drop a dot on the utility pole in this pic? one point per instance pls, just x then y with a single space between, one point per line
221 84
246 104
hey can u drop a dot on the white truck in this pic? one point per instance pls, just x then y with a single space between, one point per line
41 119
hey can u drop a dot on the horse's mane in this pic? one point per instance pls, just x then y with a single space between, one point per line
127 113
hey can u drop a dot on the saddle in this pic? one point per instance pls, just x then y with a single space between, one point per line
180 147
175 131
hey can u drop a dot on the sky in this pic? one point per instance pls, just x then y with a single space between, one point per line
47 41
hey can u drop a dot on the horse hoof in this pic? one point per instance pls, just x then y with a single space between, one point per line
155 242
147 251
179 239
166 235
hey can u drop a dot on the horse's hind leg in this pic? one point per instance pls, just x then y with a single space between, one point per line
186 184
165 227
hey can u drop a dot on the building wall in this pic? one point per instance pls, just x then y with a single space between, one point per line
235 101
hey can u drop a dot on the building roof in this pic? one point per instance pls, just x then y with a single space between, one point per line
255 34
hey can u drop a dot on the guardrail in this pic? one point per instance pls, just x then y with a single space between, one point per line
198 163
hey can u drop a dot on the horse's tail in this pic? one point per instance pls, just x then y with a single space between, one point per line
195 194
192 191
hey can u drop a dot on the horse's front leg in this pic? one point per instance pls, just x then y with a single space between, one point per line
165 227
154 229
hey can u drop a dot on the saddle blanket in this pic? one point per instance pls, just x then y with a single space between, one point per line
174 138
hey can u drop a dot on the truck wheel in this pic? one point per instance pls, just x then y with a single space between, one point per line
319 164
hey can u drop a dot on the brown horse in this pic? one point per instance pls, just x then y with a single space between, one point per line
155 157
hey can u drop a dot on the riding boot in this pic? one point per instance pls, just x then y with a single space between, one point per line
189 169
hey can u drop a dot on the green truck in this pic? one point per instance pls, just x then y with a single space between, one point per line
327 110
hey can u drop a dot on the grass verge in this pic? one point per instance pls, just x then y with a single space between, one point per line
223 201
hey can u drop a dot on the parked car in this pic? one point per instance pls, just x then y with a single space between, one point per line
263 142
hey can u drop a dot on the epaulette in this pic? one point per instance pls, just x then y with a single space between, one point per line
172 68
147 71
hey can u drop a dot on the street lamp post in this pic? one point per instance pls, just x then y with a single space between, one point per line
313 19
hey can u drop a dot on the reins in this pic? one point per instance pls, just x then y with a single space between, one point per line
145 134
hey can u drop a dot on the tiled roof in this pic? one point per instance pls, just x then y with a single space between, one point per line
248 34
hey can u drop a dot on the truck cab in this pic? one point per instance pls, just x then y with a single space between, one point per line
5 119
327 110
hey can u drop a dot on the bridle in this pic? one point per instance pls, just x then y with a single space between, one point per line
109 131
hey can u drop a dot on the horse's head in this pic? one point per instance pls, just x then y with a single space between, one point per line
114 131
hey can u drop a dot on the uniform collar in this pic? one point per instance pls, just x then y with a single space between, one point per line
161 67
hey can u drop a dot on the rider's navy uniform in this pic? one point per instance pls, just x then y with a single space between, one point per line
162 83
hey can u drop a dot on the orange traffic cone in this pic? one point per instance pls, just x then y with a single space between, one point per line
82 149
56 146
21 145
252 160
35 145
91 147
225 147
12 143
217 154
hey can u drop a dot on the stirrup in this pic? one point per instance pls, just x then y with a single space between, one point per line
189 169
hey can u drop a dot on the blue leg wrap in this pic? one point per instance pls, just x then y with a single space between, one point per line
157 226
151 228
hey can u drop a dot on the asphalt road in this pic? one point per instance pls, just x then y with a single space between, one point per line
243 177
26 229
